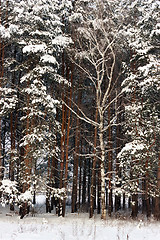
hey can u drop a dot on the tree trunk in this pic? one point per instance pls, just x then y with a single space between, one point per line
99 188
13 129
67 140
102 167
110 206
76 157
63 126
26 167
63 135
147 197
118 171
84 183
93 177
11 170
80 183
89 181
134 206
157 200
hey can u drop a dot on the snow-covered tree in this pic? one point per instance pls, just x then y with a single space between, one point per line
95 56
8 94
35 29
139 157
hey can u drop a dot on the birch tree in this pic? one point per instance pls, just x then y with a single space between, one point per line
95 56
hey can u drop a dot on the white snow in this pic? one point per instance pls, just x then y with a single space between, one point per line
48 58
132 147
62 41
25 196
75 227
34 48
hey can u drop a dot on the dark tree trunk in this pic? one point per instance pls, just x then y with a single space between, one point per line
157 199
76 157
99 188
84 183
134 206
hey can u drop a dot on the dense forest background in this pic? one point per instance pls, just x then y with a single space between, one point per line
80 105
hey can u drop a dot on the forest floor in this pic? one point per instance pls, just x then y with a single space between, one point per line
74 227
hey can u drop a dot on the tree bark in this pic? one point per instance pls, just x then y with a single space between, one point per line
62 129
93 186
99 187
84 183
157 199
67 139
110 204
102 167
76 158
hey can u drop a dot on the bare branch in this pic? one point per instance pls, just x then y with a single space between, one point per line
84 118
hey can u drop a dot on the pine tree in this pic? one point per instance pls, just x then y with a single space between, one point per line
35 28
139 157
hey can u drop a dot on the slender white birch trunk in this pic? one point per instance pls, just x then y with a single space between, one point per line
103 198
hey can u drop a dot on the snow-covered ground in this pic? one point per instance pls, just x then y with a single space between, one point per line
74 227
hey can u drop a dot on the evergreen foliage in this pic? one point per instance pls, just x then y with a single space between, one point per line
79 104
